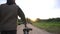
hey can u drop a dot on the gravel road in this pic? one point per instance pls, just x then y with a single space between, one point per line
35 30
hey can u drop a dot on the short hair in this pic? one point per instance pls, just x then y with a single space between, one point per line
9 2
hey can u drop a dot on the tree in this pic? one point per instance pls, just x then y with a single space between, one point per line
29 20
38 20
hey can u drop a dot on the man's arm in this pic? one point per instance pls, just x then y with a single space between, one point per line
21 14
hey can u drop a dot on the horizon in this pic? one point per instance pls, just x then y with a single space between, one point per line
43 9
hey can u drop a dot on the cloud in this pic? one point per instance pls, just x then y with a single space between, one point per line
43 9
2 1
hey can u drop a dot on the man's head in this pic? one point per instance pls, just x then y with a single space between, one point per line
9 2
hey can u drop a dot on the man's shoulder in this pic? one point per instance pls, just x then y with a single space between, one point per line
17 5
2 4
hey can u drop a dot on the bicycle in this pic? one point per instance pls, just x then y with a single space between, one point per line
26 29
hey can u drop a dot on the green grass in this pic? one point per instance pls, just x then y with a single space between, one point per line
50 27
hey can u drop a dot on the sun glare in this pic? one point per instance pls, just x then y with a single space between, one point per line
33 19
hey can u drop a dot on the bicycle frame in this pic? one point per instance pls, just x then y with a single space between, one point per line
26 29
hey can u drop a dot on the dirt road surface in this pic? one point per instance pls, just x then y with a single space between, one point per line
34 31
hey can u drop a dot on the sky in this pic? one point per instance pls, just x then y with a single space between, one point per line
43 9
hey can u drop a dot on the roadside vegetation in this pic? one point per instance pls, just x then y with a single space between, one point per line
51 25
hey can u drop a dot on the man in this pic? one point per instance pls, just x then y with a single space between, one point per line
8 17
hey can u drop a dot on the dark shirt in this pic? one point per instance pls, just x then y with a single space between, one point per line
8 16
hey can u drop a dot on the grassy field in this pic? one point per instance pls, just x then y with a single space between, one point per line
50 27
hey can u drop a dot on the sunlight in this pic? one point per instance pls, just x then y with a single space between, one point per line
42 9
33 19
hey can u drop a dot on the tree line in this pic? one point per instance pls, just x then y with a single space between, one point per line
40 20
49 20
